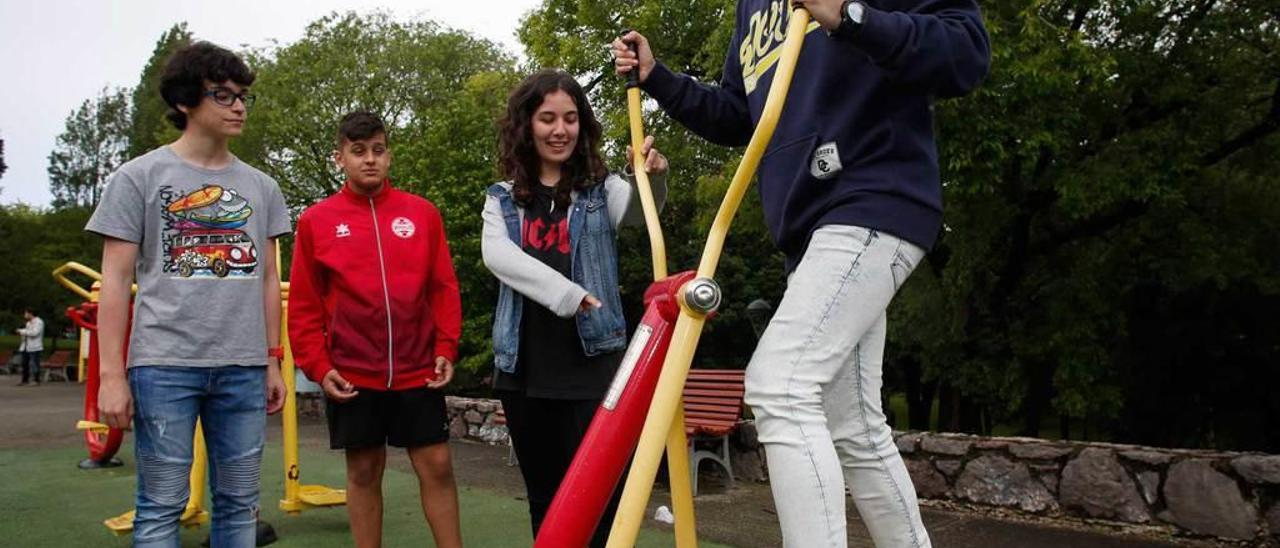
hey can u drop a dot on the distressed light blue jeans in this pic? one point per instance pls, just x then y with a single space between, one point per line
814 386
230 402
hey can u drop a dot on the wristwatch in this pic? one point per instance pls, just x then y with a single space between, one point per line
275 352
851 16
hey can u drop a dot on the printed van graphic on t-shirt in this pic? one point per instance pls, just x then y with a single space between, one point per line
202 236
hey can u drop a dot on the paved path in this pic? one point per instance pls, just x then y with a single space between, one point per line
744 516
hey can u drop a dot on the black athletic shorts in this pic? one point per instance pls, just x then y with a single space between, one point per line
400 418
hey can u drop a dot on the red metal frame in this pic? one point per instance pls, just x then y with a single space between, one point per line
610 440
101 447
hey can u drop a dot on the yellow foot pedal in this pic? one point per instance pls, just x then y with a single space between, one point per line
319 495
194 517
97 428
121 524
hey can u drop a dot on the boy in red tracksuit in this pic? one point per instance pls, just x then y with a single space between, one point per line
374 317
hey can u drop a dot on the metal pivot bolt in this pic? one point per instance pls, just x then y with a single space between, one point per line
702 295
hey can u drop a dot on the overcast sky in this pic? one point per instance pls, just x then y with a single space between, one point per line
54 54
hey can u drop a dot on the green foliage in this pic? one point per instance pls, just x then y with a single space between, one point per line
39 241
148 127
90 148
439 91
1119 149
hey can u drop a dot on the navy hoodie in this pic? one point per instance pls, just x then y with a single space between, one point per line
855 143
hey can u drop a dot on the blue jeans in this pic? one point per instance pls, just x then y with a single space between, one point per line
230 402
814 385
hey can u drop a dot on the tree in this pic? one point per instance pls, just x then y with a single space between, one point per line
1108 162
439 91
1114 174
39 241
148 127
91 147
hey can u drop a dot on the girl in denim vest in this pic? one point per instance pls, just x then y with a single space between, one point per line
550 239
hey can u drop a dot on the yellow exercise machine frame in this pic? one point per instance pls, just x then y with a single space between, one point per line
664 423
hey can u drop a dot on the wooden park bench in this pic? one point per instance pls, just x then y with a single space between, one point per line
57 365
712 412
8 362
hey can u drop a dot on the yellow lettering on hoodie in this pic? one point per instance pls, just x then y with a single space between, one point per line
762 41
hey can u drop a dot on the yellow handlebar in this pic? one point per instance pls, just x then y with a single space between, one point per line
773 103
92 426
60 274
657 245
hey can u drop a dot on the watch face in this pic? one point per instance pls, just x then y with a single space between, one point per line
855 12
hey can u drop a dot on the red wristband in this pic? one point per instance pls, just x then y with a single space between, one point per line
275 352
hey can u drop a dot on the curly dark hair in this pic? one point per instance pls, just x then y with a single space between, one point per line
187 70
518 159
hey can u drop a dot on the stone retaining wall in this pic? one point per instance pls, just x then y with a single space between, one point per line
1211 493
1202 493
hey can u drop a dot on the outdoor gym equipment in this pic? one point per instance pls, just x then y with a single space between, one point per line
697 298
297 497
103 443
686 299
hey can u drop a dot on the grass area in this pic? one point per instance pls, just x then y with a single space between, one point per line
47 501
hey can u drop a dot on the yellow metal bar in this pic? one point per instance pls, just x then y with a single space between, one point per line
657 244
92 426
773 104
680 479
677 446
60 274
675 370
657 428
291 502
297 497
195 514
94 291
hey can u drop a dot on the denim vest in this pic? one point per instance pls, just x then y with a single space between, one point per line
594 260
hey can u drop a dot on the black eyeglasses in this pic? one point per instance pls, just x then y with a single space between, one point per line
226 97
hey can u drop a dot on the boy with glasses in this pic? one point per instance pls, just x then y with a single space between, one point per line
197 229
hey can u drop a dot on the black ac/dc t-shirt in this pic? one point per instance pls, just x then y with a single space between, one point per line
551 362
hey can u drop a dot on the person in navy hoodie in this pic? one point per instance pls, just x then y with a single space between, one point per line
852 196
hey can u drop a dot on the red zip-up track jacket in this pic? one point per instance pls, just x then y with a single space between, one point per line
372 291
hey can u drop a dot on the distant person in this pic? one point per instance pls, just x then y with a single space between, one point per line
30 347
374 317
197 228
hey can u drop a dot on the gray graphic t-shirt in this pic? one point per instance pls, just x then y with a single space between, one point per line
201 235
